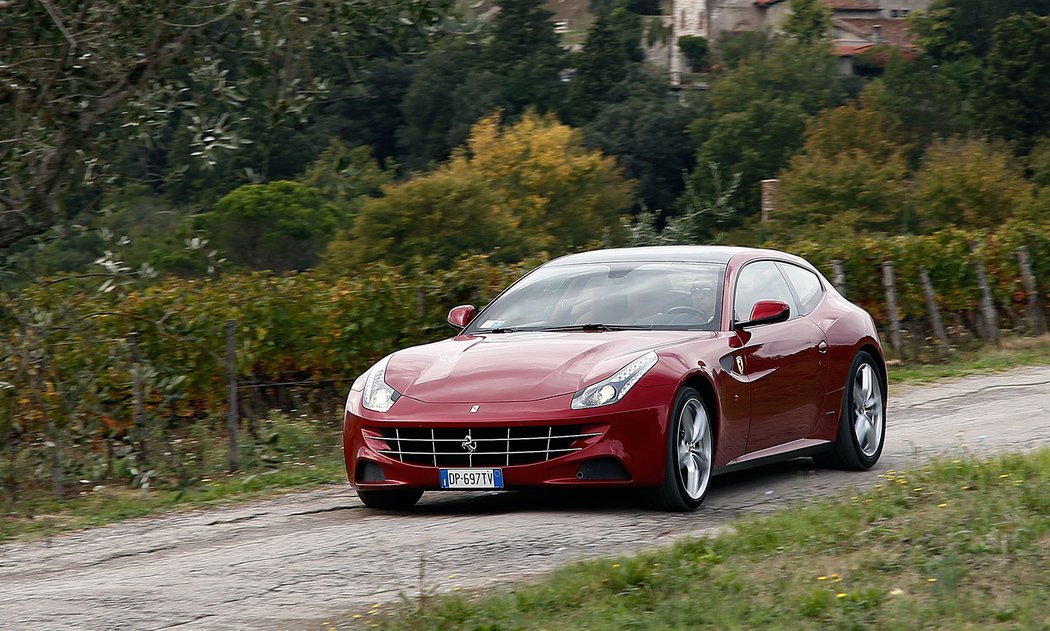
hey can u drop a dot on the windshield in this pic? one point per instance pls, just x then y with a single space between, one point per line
605 296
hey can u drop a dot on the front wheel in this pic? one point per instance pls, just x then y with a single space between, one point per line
396 499
690 452
862 424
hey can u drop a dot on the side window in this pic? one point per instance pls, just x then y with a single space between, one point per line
760 281
807 287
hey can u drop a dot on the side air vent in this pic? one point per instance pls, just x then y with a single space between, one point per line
603 469
368 471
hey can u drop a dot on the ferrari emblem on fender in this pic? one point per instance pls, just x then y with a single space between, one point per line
474 409
740 364
469 444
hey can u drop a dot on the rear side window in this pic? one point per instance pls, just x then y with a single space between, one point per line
807 286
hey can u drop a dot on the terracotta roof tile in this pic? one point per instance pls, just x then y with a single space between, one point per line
849 50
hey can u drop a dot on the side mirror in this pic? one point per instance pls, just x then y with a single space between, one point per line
461 316
766 312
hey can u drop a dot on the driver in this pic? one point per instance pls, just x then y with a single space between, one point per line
703 296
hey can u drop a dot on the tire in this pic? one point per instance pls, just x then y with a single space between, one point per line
399 499
690 454
862 423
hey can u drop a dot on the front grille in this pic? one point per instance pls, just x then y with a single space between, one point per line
493 446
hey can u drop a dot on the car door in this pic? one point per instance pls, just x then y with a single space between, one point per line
785 362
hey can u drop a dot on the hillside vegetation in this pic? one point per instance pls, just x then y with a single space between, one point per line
336 177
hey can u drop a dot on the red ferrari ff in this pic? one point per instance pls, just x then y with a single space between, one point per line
641 367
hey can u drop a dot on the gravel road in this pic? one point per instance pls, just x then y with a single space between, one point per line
297 561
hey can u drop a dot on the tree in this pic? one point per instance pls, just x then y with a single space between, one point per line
450 90
80 79
850 178
758 113
601 65
278 226
366 112
646 131
346 176
560 195
736 47
971 183
526 54
809 21
430 221
922 102
702 218
1016 80
1039 163
512 191
950 29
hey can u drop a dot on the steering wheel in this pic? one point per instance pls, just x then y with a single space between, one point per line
683 309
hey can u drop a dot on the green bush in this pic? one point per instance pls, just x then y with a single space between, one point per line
276 226
695 49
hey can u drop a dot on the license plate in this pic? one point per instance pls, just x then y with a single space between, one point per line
471 478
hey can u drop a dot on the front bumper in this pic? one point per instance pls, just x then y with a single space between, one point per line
628 450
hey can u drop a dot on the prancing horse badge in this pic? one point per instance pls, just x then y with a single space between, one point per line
740 364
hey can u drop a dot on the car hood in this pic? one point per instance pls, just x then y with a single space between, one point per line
525 366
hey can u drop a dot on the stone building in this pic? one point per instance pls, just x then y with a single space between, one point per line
856 25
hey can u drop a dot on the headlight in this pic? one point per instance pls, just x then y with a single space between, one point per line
378 396
614 388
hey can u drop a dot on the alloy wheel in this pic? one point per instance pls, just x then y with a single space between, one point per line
694 448
867 410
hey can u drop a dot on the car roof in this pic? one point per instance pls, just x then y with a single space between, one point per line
721 254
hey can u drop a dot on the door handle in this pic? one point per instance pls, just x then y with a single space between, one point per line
822 347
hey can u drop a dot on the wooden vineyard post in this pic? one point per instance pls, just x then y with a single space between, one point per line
838 277
58 488
935 312
51 431
889 281
138 399
1036 317
990 319
231 406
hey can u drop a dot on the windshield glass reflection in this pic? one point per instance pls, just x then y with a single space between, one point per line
611 296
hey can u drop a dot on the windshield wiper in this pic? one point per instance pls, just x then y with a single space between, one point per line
590 326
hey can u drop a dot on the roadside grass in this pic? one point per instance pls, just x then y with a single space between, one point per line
958 544
1011 353
288 454
297 453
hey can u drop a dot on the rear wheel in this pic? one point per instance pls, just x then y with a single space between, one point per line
862 424
398 499
690 451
